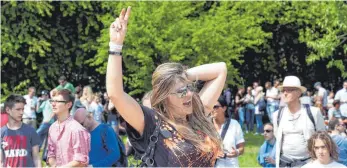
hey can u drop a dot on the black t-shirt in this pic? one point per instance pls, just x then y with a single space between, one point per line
169 152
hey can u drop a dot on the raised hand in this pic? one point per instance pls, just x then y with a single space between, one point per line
119 27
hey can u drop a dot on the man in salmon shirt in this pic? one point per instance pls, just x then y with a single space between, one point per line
68 141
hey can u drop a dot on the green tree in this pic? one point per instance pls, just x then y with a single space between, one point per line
43 40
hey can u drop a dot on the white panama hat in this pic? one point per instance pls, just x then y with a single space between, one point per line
292 81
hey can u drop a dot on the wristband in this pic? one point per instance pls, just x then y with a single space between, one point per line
115 47
225 155
115 53
237 152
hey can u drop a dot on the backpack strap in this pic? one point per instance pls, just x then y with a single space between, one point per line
147 157
309 113
225 128
103 136
279 116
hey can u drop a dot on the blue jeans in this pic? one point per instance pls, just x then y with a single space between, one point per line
250 117
241 116
259 120
42 131
271 108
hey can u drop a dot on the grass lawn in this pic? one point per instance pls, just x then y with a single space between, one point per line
253 143
248 159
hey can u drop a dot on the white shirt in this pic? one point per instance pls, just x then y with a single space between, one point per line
233 137
306 123
323 93
30 103
294 143
272 92
342 96
253 92
316 164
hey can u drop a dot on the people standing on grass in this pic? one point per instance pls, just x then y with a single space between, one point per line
249 110
330 99
4 116
340 141
87 97
335 112
177 123
294 124
29 116
322 97
267 151
260 106
19 141
44 107
96 108
64 84
231 133
272 99
68 141
240 106
323 151
341 95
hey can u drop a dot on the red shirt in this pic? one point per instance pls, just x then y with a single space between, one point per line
4 119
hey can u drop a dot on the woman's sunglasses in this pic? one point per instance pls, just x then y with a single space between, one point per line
182 92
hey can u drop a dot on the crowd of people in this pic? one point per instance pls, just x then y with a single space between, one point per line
176 124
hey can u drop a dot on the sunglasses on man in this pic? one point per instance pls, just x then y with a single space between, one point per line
216 107
267 131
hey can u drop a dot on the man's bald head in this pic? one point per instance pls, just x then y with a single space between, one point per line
80 114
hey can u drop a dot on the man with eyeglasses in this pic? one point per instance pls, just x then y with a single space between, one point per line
68 141
104 150
267 151
294 124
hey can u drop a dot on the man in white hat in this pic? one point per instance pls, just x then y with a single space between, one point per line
294 124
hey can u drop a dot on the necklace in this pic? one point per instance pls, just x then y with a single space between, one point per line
294 119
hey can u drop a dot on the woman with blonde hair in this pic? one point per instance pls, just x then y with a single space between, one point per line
323 151
259 109
87 97
176 131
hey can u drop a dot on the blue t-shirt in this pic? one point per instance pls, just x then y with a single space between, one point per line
266 150
104 147
341 143
17 146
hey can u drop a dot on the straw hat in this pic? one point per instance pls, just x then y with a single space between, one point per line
293 82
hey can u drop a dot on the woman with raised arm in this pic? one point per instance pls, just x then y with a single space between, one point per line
176 131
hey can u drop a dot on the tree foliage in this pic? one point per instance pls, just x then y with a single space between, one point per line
257 40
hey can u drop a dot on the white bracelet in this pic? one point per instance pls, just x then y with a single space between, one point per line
115 47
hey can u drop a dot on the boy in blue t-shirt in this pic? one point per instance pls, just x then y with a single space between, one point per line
19 141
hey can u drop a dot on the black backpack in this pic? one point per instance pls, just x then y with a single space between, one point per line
123 160
308 110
